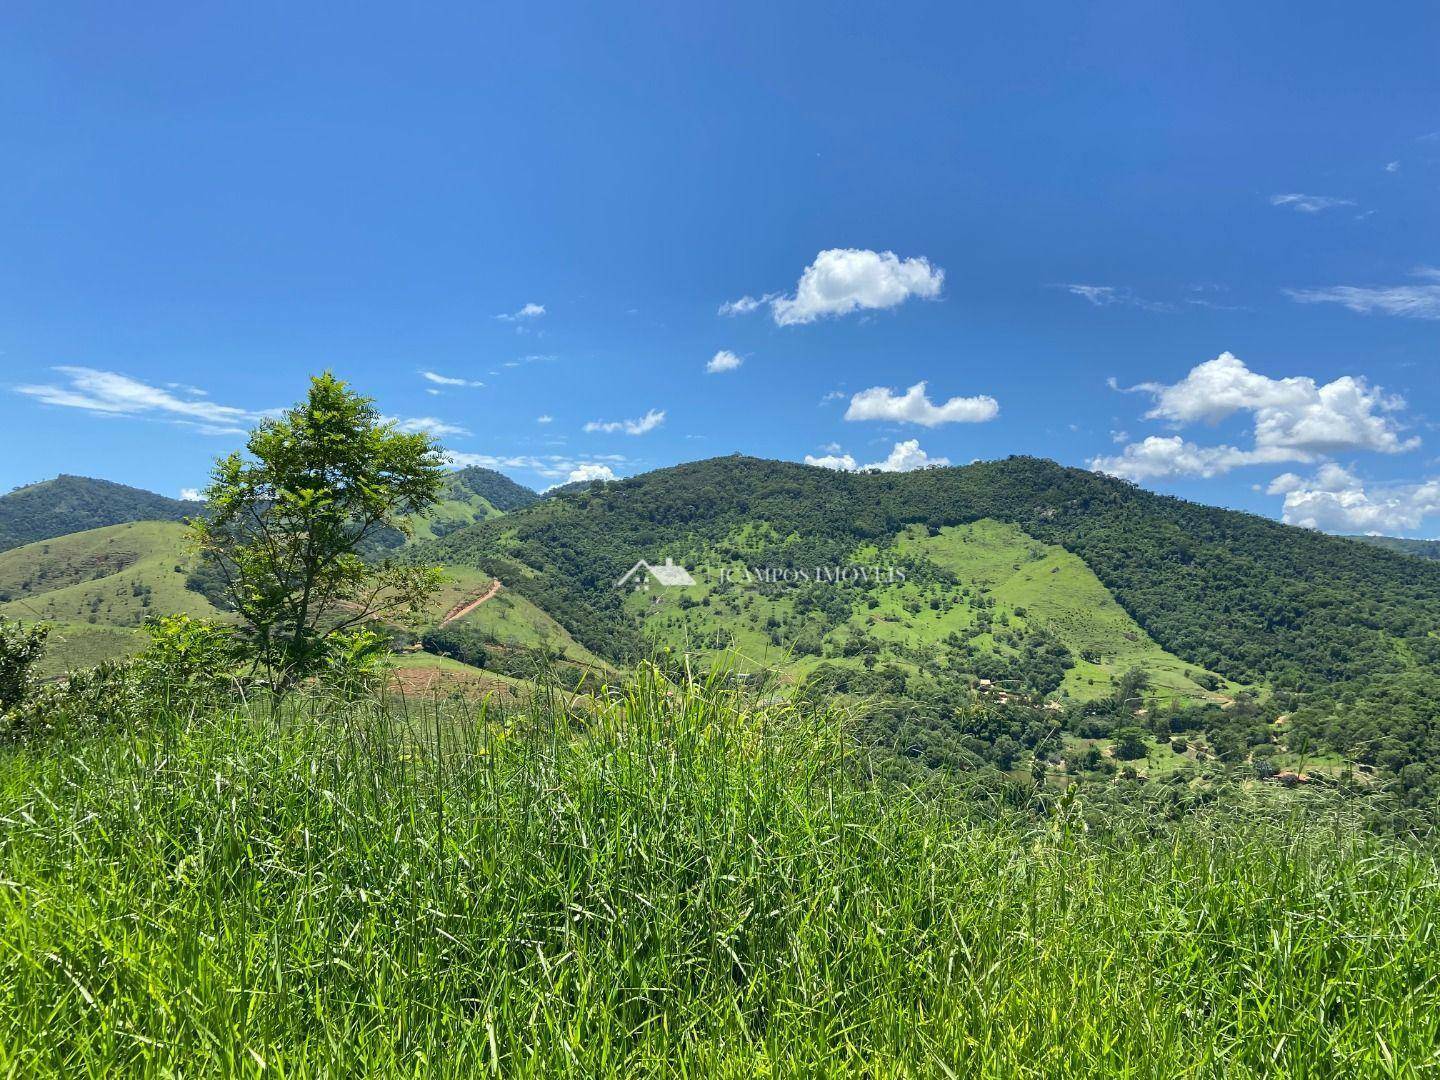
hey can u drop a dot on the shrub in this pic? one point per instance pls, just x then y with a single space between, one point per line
20 650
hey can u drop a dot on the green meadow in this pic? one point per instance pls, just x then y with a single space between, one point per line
670 879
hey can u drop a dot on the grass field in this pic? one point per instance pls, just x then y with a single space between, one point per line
672 883
114 576
1057 590
999 570
508 618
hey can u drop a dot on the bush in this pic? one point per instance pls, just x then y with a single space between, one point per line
20 650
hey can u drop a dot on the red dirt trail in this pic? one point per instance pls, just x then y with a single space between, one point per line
461 610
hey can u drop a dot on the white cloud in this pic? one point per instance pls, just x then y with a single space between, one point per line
1309 204
843 462
545 418
724 360
1404 301
191 495
1112 295
842 280
1157 457
448 380
1392 166
438 429
550 466
529 311
649 422
832 395
1294 419
913 407
1292 413
903 457
745 305
590 471
108 393
906 457
1336 500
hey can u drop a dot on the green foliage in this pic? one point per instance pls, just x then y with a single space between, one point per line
191 660
463 643
287 525
676 882
70 504
1130 743
356 664
20 650
1421 549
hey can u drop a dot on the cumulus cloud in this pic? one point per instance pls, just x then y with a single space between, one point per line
724 360
413 425
1159 456
590 471
1336 500
191 495
905 456
529 311
1294 419
108 393
914 407
1295 412
448 380
843 280
1309 204
649 422
1403 301
832 460
544 418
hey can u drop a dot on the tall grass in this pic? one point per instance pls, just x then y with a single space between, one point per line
677 883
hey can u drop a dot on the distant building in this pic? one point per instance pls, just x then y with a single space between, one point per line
642 573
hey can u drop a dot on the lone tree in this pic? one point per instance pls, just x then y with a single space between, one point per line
286 524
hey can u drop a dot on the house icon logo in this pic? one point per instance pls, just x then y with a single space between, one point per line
640 576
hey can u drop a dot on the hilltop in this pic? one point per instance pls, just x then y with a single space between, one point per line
97 588
69 504
468 496
1234 593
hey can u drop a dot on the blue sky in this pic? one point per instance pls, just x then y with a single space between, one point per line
1195 245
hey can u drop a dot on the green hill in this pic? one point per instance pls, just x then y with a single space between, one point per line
97 587
1421 549
468 496
1240 595
70 504
982 599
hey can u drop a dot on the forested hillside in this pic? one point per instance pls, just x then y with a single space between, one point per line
1239 594
468 496
1421 549
70 504
1254 601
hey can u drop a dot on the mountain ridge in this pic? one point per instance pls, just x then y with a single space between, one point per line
1243 595
69 504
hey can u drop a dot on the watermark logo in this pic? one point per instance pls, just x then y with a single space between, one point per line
643 575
